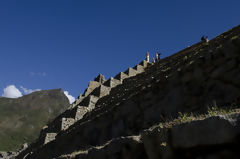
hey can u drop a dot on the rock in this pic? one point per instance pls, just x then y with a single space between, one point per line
155 142
130 147
208 132
100 78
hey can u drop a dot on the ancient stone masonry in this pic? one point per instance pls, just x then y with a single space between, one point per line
121 76
130 72
49 137
86 102
66 122
112 82
113 120
100 79
101 91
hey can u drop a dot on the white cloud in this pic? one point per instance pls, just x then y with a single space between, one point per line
28 91
11 92
70 97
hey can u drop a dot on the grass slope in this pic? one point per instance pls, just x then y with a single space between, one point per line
21 119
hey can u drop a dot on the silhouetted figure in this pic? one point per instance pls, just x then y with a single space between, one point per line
158 56
204 39
147 57
153 60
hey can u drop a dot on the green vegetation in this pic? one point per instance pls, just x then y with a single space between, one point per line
21 119
235 37
213 110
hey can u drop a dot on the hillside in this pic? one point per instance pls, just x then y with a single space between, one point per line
21 119
185 106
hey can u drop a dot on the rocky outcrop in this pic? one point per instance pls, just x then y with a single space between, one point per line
130 147
214 137
110 117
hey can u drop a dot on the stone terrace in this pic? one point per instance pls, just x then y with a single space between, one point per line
128 106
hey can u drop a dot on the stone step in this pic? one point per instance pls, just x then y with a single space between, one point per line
130 72
66 122
79 112
90 101
101 91
139 68
76 102
121 76
49 137
100 78
144 63
91 86
112 82
94 84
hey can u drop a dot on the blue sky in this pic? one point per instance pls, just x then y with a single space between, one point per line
47 44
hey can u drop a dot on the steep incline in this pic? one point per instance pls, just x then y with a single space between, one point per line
85 103
189 81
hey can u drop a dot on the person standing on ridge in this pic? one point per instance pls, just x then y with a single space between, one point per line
153 60
158 56
204 39
147 57
207 39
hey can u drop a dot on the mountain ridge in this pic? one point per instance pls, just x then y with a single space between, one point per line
22 118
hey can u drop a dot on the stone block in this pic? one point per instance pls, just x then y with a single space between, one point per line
144 63
112 82
49 137
66 122
79 99
92 85
139 68
121 76
101 91
208 132
80 112
130 72
90 101
100 78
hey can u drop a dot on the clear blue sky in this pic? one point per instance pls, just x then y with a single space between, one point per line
46 44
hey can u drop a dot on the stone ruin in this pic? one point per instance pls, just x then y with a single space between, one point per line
124 116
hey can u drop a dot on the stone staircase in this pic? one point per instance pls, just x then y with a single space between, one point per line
129 98
86 102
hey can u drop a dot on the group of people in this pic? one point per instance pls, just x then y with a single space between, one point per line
154 59
204 39
157 57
